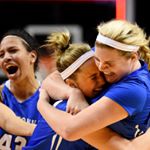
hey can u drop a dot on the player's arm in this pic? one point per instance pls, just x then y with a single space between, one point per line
108 139
58 88
77 126
13 124
142 142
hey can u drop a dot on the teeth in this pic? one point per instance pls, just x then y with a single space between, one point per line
8 66
99 89
106 73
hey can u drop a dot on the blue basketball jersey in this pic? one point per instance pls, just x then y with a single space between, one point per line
45 138
26 110
133 94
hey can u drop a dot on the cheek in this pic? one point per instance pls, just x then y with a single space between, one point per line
125 67
120 67
91 86
122 72
101 82
85 87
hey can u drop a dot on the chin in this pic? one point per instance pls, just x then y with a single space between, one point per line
110 80
94 95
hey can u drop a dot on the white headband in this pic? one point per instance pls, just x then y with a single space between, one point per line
115 44
75 65
17 37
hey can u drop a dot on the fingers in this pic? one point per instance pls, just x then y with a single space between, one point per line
73 111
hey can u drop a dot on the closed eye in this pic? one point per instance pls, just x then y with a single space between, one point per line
13 50
1 55
93 77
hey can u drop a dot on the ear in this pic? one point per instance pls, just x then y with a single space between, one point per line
71 83
33 55
139 54
134 56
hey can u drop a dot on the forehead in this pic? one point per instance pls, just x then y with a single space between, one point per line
89 66
10 41
106 54
11 38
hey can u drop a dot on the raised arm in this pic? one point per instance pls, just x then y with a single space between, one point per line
101 139
13 124
75 127
58 89
55 86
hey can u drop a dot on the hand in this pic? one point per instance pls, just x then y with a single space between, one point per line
76 102
43 95
56 87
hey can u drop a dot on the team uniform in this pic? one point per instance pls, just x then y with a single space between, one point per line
45 138
26 110
133 94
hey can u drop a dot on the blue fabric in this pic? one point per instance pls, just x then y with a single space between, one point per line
44 138
26 110
133 94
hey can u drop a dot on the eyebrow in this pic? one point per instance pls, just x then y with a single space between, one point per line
10 48
105 61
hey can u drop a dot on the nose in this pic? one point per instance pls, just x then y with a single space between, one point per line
103 67
7 57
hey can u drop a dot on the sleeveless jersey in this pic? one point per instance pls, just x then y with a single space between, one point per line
26 110
45 138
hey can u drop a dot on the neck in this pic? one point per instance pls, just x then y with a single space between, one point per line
24 89
136 66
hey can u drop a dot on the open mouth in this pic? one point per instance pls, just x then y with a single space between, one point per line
12 69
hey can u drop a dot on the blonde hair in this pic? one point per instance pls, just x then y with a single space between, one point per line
127 33
66 53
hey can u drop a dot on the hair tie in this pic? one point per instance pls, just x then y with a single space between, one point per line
66 47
